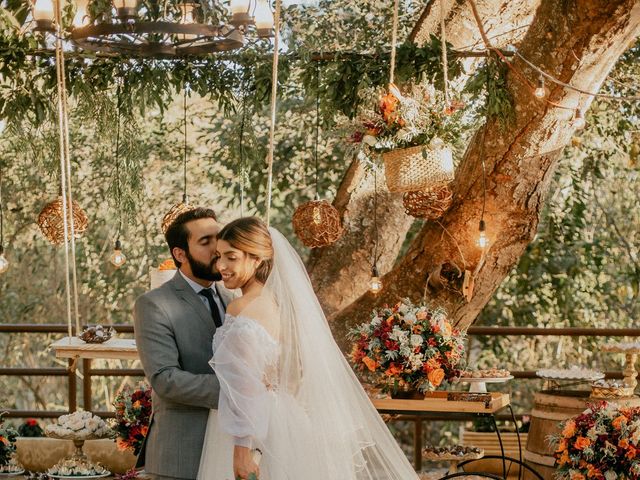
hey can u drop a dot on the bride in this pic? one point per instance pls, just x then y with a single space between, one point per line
286 389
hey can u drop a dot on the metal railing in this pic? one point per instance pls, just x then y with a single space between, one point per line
88 373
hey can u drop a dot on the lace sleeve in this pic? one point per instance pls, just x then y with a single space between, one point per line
243 353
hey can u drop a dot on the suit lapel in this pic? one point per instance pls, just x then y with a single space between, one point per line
184 291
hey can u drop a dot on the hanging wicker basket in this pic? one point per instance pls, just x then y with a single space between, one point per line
418 168
51 220
175 211
317 224
430 204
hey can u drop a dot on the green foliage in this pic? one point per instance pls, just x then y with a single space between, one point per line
490 84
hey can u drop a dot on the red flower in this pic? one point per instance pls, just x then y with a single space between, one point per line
31 422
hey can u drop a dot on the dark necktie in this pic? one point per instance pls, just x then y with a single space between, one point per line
215 313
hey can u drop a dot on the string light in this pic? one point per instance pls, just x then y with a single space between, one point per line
578 120
375 285
540 91
118 258
483 241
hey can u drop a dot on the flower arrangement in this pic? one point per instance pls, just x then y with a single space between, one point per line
168 264
133 413
77 467
30 428
7 446
79 426
408 346
601 443
390 119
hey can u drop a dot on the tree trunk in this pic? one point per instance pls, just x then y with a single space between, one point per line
341 273
576 41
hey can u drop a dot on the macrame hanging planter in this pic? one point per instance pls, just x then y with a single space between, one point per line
184 206
418 168
52 224
317 223
429 204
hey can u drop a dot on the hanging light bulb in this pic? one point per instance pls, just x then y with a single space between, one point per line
540 91
578 120
483 241
317 215
240 13
43 14
4 263
118 258
126 9
375 285
263 19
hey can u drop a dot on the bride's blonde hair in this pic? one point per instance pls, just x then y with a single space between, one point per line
251 235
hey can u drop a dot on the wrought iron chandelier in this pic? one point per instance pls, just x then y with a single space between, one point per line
182 32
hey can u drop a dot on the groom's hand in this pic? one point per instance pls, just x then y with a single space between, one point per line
243 464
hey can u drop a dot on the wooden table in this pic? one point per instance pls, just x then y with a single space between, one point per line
74 349
436 405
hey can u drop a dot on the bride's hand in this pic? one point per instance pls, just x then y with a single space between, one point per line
243 464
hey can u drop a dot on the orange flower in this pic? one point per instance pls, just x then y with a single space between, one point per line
144 430
624 443
593 471
564 458
569 429
618 421
581 443
421 315
167 265
390 320
122 445
393 370
436 376
577 476
370 363
446 329
137 404
4 440
631 453
417 329
562 446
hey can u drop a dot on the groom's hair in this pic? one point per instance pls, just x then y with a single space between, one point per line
177 235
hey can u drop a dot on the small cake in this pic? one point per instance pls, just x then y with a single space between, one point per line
165 272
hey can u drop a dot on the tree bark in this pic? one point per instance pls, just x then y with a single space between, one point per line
576 41
340 273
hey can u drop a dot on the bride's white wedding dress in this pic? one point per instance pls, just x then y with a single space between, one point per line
287 390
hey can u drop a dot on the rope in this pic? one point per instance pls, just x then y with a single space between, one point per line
274 92
185 198
394 40
317 130
245 89
445 61
60 82
118 187
1 212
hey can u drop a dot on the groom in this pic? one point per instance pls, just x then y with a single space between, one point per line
174 327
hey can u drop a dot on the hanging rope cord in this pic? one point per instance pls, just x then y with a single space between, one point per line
117 155
317 164
445 60
1 211
274 92
185 198
245 95
65 179
394 41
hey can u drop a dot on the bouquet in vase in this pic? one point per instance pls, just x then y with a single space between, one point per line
133 414
408 346
601 443
8 436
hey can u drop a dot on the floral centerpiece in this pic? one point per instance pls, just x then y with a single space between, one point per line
601 443
8 434
408 346
133 413
30 428
389 119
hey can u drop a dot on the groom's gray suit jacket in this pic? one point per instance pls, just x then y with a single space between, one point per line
174 332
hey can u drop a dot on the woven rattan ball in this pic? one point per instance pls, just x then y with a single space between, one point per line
177 210
317 223
430 204
51 220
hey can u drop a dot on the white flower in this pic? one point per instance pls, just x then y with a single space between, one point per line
416 340
410 318
610 475
376 321
369 140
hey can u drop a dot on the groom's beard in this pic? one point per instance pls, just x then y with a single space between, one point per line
204 271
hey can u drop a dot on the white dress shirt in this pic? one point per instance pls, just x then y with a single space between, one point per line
198 288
